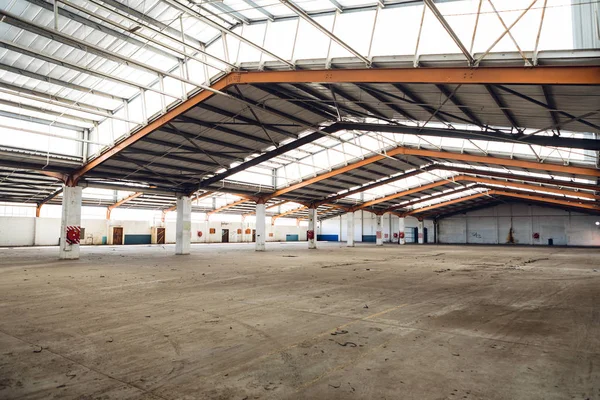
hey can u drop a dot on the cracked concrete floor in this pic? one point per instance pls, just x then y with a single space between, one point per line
398 322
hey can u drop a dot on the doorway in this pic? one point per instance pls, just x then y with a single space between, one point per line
224 235
160 235
117 235
254 235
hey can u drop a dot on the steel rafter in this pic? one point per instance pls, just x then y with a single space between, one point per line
551 109
566 75
375 94
226 206
553 141
463 108
479 181
121 202
441 155
573 75
519 195
222 129
504 108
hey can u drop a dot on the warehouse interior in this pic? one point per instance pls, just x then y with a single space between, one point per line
316 199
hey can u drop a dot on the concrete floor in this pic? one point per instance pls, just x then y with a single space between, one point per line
398 322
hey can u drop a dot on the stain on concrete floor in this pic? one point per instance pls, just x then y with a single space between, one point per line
138 322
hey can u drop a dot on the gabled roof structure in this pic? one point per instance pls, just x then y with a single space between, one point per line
149 99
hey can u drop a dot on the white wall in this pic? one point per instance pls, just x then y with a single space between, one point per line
485 226
492 226
17 231
365 224
29 231
278 232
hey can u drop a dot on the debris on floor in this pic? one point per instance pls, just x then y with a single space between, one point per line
341 332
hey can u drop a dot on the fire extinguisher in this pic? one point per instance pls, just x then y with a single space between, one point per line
401 235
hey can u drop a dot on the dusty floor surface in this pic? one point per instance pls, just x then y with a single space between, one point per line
398 322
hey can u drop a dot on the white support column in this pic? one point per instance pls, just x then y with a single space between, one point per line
350 230
183 227
70 229
379 231
311 234
261 230
421 231
401 227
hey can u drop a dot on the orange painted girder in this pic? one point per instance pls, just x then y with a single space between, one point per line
580 75
226 206
449 202
273 218
573 75
466 178
584 195
588 205
404 193
125 200
443 155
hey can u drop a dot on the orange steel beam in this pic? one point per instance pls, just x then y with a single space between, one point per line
58 175
492 75
442 155
440 167
226 206
588 205
465 178
498 161
573 75
379 183
338 206
516 177
283 214
121 202
584 195
433 197
277 204
152 126
449 202
38 208
403 193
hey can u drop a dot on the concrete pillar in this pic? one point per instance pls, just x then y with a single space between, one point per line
261 229
350 233
421 231
379 230
183 227
311 234
401 227
70 225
